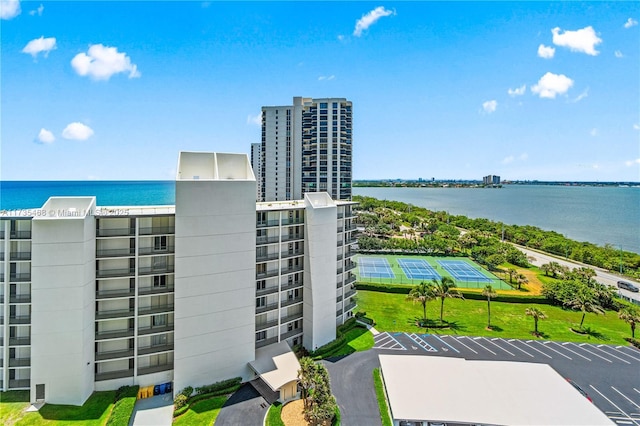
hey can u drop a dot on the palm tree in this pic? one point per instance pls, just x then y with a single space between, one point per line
630 316
521 279
422 293
537 314
512 273
489 292
444 288
585 301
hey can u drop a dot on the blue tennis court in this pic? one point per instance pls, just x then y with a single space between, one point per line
375 267
462 271
417 269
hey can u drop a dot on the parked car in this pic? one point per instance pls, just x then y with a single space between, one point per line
579 389
628 286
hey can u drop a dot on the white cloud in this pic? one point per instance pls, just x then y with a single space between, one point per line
636 127
45 136
369 19
594 132
550 85
328 78
340 37
546 52
9 9
618 54
524 156
632 162
38 45
630 23
255 119
38 11
490 106
508 159
583 40
77 131
518 91
101 62
581 96
511 158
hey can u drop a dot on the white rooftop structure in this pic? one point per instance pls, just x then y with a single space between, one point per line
455 390
276 364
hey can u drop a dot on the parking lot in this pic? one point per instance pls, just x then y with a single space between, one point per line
609 374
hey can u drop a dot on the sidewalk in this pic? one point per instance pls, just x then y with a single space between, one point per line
155 411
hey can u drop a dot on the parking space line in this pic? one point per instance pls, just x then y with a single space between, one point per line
629 348
424 345
458 340
617 349
387 341
566 343
537 350
498 346
434 335
625 397
592 353
521 350
474 341
616 357
636 390
618 408
560 353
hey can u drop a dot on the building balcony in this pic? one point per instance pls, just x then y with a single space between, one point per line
351 227
142 291
112 294
339 270
122 252
20 277
339 312
146 350
114 375
20 319
291 269
157 230
350 279
114 334
295 284
339 284
291 301
340 243
115 232
340 215
291 333
349 254
349 307
287 221
349 266
20 235
293 237
289 318
158 309
266 274
19 362
19 384
267 240
340 256
107 355
265 325
267 290
152 270
19 298
115 313
19 341
112 273
146 251
339 299
266 308
20 255
349 294
293 253
266 257
266 342
351 241
143 331
267 223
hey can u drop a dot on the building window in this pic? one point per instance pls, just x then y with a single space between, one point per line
261 285
158 340
159 320
159 281
261 301
160 243
261 335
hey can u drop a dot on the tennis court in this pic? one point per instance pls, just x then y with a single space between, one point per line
375 267
418 269
462 271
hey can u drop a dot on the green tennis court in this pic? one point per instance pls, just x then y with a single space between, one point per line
414 269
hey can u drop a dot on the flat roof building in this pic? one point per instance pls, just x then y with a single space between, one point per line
98 297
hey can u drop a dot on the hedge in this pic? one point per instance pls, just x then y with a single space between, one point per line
218 386
340 340
634 342
232 385
122 410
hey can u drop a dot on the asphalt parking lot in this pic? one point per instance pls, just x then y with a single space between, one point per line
609 374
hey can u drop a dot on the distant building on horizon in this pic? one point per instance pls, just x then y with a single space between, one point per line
256 165
306 147
491 180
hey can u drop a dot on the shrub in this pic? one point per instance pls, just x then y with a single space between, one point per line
180 401
218 386
186 391
125 400
634 342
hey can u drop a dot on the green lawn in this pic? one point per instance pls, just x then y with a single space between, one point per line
392 312
274 416
380 396
358 339
94 412
202 413
401 278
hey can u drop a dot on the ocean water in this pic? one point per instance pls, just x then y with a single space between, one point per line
601 215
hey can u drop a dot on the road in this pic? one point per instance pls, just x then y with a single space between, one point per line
603 276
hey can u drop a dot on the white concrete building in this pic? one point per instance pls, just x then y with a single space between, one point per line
256 165
94 298
306 147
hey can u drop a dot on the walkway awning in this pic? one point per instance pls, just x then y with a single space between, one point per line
276 365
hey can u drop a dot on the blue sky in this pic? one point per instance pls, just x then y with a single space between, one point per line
450 90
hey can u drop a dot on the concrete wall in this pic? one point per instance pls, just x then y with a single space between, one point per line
63 295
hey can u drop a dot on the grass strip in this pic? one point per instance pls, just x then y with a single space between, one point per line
382 400
274 415
201 413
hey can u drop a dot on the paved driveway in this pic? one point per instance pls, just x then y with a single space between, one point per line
245 407
155 411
